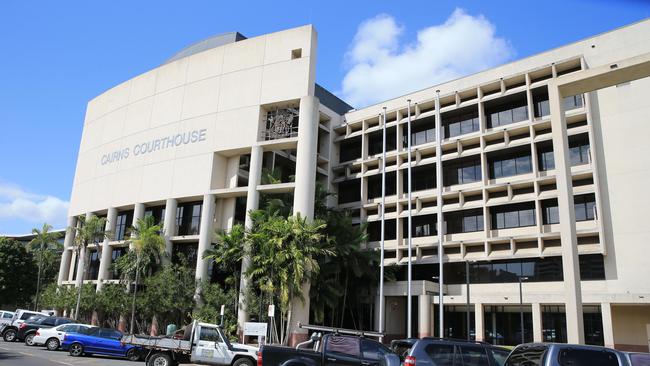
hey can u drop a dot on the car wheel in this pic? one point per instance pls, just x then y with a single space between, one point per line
9 335
244 362
76 350
52 344
29 339
160 359
133 354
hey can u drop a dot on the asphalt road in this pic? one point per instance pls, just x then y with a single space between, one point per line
17 354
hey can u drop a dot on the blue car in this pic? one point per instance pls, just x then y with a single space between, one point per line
99 341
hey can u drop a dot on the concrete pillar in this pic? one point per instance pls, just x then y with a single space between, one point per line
303 198
68 243
424 316
81 261
138 213
252 204
479 322
206 233
169 224
569 240
608 325
106 251
537 322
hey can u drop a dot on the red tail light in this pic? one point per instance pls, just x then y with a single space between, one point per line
22 325
37 333
409 361
259 358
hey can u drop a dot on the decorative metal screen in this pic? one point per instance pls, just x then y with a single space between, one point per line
281 123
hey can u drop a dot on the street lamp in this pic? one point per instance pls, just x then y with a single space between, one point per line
468 311
521 307
437 279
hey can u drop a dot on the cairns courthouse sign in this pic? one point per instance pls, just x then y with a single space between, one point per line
179 139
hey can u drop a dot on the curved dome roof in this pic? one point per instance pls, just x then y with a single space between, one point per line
206 44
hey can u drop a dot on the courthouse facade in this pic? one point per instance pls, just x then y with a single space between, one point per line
187 142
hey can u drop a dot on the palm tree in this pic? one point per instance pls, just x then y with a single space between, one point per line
147 245
43 242
89 230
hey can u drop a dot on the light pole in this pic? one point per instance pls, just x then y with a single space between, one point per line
521 308
437 279
467 284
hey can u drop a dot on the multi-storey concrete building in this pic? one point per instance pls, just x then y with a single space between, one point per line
187 142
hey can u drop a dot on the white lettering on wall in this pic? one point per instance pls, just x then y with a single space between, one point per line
167 142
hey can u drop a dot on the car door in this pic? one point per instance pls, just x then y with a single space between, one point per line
111 342
342 351
442 355
207 348
373 353
91 341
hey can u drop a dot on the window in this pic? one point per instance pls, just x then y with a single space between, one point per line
66 328
584 206
374 230
457 124
209 334
545 157
93 265
62 321
527 356
464 221
422 132
185 254
592 267
424 177
474 355
540 102
511 216
586 357
375 141
122 223
579 149
158 213
424 225
513 163
499 356
345 346
49 321
373 350
461 171
441 354
374 185
550 212
117 252
349 191
188 218
7 315
572 102
350 149
510 110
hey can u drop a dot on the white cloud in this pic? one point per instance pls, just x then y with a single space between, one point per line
380 68
18 204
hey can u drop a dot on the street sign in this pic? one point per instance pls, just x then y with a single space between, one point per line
271 311
255 329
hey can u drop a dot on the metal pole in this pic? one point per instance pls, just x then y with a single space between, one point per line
440 218
521 310
467 283
383 212
410 223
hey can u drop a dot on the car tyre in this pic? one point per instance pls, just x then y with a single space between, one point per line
9 335
133 354
244 362
76 350
29 339
160 359
52 344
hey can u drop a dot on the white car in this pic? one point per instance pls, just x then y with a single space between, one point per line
52 337
6 317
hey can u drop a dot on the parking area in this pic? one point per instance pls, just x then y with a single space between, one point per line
17 353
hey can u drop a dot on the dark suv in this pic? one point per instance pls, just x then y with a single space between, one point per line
448 352
27 330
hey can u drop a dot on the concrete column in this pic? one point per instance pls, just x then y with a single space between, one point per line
169 224
138 213
303 197
252 204
537 322
206 233
608 325
105 261
569 240
66 256
81 261
424 316
479 322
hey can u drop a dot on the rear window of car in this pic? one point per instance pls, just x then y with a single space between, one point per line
402 349
640 359
27 316
7 315
526 356
372 350
587 357
474 355
441 354
347 346
49 321
499 356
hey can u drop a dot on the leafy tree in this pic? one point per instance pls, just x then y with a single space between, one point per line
58 297
18 272
213 297
46 247
88 231
111 302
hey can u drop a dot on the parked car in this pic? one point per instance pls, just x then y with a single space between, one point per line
557 354
10 330
200 343
100 341
27 330
52 337
5 317
431 351
638 358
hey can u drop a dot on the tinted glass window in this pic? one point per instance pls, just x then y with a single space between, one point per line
30 317
7 315
65 328
474 356
347 346
402 349
441 354
209 334
526 356
62 321
49 321
640 359
373 350
499 356
584 357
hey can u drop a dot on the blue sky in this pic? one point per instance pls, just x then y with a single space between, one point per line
57 55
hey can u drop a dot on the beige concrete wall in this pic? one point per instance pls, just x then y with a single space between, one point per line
630 327
214 95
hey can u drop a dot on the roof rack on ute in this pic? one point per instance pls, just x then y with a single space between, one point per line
360 333
456 340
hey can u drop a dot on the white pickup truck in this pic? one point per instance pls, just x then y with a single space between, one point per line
202 343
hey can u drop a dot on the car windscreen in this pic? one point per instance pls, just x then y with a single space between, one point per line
527 356
587 357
